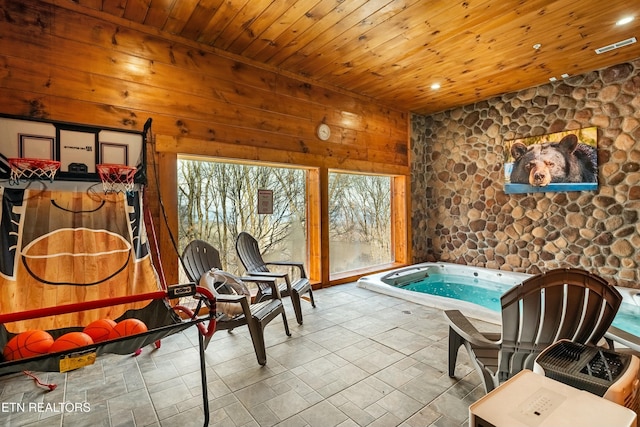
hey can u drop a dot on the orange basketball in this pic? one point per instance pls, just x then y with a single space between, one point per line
100 330
128 327
70 341
28 344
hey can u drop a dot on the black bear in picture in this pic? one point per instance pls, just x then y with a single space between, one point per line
553 162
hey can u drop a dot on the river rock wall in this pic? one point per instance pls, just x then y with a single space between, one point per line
461 214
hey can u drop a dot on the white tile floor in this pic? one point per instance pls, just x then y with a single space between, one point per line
360 359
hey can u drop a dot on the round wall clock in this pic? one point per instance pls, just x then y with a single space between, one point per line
323 131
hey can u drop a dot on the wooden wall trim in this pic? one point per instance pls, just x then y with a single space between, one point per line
400 215
181 145
315 225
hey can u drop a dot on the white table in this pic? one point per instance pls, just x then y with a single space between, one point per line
532 400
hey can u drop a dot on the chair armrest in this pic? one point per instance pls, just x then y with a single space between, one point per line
298 265
463 327
268 274
235 299
229 298
256 278
623 337
271 281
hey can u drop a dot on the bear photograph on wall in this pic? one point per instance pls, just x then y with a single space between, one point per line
562 161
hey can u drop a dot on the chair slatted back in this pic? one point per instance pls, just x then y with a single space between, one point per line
199 257
560 304
249 253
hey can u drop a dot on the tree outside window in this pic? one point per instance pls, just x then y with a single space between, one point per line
218 200
359 221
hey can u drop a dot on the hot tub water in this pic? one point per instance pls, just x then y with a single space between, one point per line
476 291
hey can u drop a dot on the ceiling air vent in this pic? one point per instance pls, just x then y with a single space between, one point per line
616 45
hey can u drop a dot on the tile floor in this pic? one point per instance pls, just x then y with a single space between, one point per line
360 359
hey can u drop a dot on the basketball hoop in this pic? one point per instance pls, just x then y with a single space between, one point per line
116 178
25 168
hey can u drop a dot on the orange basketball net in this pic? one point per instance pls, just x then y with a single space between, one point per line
25 168
116 178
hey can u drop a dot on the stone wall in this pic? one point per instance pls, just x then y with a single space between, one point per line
461 213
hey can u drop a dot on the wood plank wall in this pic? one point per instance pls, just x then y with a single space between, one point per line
61 61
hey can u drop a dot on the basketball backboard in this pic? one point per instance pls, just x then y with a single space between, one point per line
78 148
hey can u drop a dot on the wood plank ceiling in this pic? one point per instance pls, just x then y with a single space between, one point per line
394 50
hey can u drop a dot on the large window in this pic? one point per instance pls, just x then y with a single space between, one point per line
360 233
218 200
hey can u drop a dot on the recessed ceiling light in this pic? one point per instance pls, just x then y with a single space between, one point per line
565 75
625 20
435 86
552 79
537 46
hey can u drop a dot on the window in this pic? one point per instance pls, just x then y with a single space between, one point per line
217 200
360 233
363 228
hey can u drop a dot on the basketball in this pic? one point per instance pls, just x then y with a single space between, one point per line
100 330
70 341
28 344
128 327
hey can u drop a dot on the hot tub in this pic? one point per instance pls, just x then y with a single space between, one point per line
476 292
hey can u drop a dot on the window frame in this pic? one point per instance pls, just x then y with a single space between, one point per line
211 159
317 215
